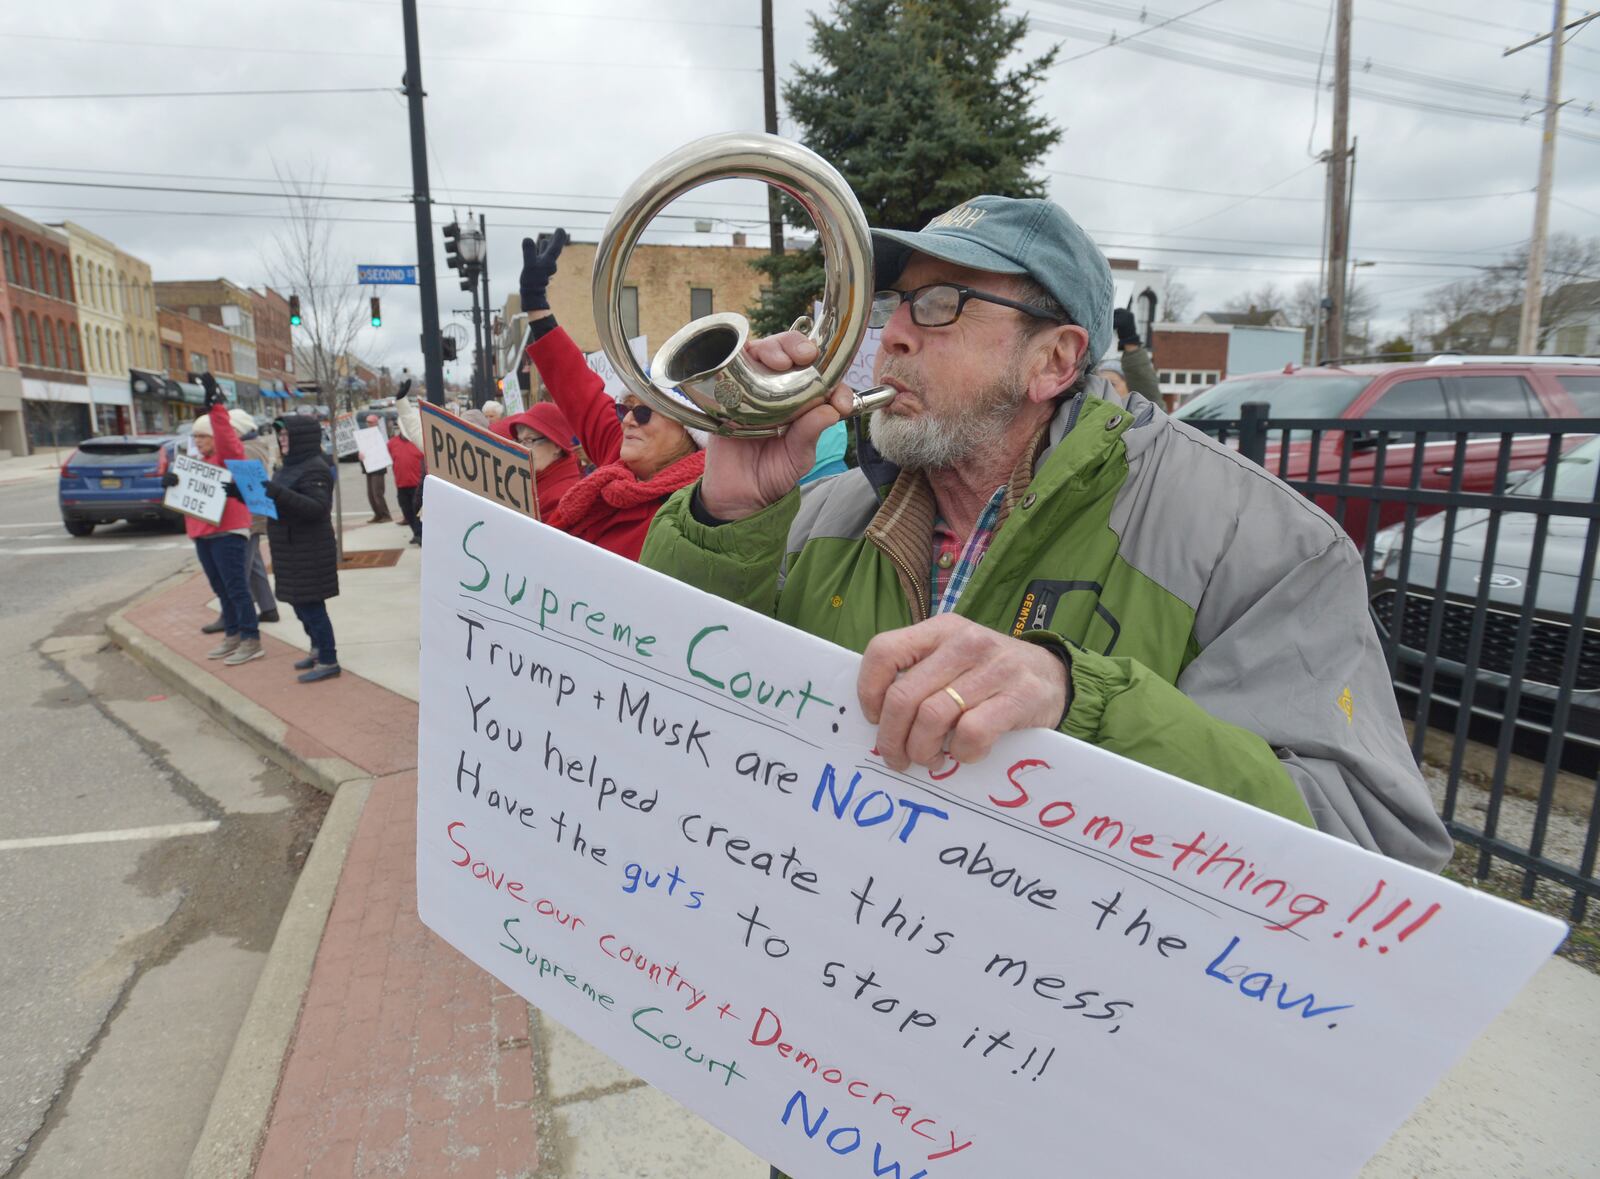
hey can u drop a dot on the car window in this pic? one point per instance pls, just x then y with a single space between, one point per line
1286 397
1585 393
1498 396
97 448
1576 472
1419 398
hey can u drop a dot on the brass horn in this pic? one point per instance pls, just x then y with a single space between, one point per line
700 376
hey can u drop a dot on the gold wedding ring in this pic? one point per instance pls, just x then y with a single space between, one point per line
956 696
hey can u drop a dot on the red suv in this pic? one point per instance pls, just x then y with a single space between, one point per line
1447 387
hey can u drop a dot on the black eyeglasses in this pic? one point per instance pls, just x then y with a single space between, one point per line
940 304
641 413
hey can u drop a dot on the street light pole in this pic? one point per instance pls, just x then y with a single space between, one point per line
422 200
488 336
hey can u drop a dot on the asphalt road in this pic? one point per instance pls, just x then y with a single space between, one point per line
145 859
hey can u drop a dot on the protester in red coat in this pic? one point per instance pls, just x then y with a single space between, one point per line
642 456
224 547
553 452
407 460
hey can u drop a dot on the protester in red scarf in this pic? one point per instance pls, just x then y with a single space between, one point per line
553 451
643 456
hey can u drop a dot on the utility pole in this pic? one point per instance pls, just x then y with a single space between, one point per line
422 200
1338 185
1533 297
488 330
769 86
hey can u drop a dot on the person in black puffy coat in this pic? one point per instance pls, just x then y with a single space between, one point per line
305 556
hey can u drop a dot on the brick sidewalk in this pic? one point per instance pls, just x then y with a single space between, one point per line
408 1060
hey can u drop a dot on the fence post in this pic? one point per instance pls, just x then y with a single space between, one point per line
1253 431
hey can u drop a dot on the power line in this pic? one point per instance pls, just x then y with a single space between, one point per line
1115 40
1472 196
198 94
525 13
347 53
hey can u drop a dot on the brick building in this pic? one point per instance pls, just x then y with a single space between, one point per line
189 347
48 399
1191 357
231 310
274 345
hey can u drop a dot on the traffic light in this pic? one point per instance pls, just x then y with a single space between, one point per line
294 310
377 315
447 347
452 246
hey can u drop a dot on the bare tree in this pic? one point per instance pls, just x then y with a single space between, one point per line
1180 299
306 262
1482 313
1267 297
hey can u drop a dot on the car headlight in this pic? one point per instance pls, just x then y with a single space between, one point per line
1386 546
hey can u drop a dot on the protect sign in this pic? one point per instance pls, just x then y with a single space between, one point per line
199 491
659 817
477 461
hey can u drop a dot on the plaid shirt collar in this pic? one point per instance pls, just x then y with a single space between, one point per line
953 562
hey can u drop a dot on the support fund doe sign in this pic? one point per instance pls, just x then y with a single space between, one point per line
659 818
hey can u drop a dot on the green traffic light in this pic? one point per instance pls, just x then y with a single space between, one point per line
376 322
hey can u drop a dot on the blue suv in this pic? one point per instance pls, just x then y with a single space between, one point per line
117 477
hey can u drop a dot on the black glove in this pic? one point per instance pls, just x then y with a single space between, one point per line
214 394
1127 330
404 391
272 488
539 267
169 480
231 490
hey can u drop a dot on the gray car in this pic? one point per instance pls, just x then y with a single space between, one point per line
1560 602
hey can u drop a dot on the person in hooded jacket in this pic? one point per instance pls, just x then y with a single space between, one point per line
305 555
553 452
642 456
224 547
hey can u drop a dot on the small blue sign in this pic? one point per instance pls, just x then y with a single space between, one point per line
251 477
395 276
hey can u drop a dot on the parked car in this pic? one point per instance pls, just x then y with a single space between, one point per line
116 477
1447 388
1559 591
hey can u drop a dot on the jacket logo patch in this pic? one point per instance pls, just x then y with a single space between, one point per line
1347 705
1039 606
836 602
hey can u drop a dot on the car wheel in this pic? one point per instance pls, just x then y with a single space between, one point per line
78 527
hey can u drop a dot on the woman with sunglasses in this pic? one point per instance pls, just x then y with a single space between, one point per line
642 456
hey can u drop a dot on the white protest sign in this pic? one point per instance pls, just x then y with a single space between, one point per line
373 448
859 375
510 384
601 364
658 817
199 490
344 435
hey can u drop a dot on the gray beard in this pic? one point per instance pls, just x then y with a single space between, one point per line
929 441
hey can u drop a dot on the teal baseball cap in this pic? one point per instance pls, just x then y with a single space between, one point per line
1013 235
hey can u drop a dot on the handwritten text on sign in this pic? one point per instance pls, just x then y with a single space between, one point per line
659 818
199 491
477 460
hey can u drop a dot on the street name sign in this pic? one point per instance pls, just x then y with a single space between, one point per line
404 276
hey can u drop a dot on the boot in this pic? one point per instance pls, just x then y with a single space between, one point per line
322 671
215 627
269 615
228 647
308 662
247 650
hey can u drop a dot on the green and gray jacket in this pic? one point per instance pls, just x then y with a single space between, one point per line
1217 620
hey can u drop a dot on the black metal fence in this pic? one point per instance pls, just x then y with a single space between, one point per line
1479 540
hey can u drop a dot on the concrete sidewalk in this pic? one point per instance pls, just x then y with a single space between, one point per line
372 1047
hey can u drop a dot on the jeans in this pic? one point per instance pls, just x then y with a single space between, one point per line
410 500
226 561
319 629
260 583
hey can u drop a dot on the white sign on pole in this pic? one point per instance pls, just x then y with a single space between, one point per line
659 817
601 363
344 435
199 490
510 384
373 448
859 375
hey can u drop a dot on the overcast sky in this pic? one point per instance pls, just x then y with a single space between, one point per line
557 105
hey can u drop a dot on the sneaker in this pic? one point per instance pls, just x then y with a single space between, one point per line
322 671
269 615
215 627
417 540
228 647
247 650
307 663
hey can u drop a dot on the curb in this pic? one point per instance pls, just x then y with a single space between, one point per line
242 1106
227 705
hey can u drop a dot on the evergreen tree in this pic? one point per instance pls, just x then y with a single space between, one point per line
913 104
